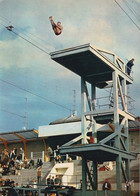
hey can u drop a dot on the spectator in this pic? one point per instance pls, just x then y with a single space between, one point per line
57 181
12 192
21 154
7 182
15 152
12 163
39 175
11 155
58 159
58 156
52 181
106 187
17 185
26 164
49 180
1 169
3 192
5 157
39 162
49 153
80 185
34 184
31 163
69 159
5 170
57 150
12 182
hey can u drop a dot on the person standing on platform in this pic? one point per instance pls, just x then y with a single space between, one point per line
129 66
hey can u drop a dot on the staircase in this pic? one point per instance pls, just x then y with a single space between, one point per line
46 168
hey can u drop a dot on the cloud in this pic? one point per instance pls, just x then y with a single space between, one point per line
102 24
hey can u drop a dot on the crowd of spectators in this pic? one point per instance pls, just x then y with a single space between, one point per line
8 187
51 180
5 184
55 157
12 162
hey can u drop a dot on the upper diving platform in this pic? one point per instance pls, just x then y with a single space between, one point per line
92 64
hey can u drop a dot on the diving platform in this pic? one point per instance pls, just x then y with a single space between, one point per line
104 116
97 152
92 64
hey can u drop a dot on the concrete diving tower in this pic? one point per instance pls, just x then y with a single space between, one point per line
100 69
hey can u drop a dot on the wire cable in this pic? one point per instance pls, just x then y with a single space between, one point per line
28 41
42 83
36 95
17 27
127 15
12 113
127 4
31 42
134 9
28 90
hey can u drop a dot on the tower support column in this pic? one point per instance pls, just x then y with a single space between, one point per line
95 175
93 99
116 106
118 174
83 110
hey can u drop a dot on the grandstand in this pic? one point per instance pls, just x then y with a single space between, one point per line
35 149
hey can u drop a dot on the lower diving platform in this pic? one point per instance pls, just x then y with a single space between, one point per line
97 152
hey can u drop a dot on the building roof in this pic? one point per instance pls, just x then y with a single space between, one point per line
132 124
69 119
17 136
69 125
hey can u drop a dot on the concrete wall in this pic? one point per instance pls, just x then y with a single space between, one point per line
32 146
35 146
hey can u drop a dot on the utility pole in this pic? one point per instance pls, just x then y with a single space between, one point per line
74 102
25 123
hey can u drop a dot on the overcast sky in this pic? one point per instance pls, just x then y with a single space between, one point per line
34 90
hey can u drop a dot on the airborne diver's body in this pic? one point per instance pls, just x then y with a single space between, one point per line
57 28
